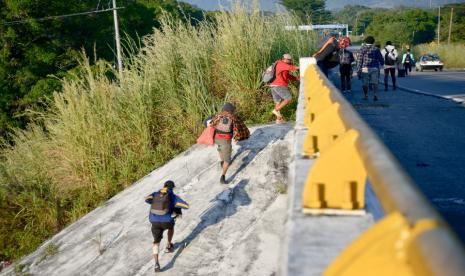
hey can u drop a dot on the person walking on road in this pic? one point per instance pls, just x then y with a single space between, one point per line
369 61
280 85
390 56
407 61
165 208
346 58
227 126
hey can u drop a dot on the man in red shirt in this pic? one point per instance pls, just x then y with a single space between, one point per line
280 86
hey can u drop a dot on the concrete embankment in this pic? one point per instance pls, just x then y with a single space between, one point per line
233 229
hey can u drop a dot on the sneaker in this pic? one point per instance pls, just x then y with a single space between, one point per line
169 248
277 113
365 98
375 98
280 121
223 180
157 267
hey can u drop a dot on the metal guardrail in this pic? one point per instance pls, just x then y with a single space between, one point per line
412 237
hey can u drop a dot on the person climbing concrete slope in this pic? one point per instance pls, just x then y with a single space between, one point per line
227 126
165 207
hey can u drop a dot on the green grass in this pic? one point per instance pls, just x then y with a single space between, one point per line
451 55
99 135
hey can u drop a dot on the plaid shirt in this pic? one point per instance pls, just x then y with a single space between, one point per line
369 57
240 130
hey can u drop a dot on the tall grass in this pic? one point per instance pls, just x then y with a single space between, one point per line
451 55
99 135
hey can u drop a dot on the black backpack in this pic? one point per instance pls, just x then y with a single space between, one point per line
408 58
388 60
161 203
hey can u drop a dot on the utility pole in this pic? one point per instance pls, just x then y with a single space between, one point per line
439 26
450 24
117 39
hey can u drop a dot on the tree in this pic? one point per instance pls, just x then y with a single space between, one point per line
311 11
34 53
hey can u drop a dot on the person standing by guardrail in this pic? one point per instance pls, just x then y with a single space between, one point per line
407 61
327 56
369 62
390 56
280 85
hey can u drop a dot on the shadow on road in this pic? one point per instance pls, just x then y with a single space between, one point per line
224 205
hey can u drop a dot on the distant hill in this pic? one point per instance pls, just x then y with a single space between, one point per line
272 5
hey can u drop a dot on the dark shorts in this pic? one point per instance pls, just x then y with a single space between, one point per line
158 228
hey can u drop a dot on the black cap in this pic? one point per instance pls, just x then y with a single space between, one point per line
229 107
169 184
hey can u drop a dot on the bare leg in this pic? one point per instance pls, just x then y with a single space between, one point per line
170 235
365 91
225 167
155 252
281 104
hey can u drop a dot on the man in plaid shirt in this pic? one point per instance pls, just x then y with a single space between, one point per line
369 62
227 126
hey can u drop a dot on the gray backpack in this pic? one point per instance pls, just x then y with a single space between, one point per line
270 74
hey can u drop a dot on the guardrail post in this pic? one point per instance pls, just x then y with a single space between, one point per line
337 179
324 130
384 249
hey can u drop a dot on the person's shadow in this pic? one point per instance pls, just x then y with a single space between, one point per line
224 205
259 139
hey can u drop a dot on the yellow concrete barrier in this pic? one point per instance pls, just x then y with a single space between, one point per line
317 104
385 249
337 179
324 130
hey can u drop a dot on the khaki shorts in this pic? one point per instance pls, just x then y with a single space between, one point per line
225 149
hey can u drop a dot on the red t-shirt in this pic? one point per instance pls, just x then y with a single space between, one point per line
282 74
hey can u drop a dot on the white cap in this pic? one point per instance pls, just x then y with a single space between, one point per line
287 56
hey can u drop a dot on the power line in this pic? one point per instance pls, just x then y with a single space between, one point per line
55 17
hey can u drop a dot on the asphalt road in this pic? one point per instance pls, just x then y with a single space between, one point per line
426 134
449 84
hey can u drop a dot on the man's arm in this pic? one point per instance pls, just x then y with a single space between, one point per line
180 203
149 198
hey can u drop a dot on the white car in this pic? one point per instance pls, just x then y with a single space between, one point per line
429 62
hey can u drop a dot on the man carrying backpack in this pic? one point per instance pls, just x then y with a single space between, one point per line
369 62
390 62
345 64
227 126
327 56
165 207
407 61
280 85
